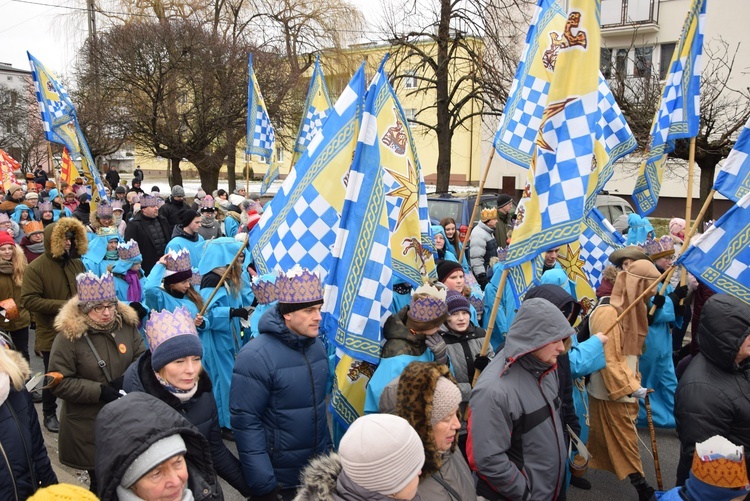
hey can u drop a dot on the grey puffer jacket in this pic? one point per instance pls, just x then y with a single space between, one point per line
462 349
454 472
516 443
482 247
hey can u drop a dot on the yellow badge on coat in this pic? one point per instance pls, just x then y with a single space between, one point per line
123 349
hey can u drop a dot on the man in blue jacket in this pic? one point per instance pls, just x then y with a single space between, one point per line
278 391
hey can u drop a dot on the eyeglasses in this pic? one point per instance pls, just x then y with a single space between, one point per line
102 307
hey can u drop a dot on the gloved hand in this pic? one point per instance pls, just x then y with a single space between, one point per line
271 496
681 292
658 300
239 312
650 318
117 383
108 394
640 393
140 310
481 362
439 349
482 280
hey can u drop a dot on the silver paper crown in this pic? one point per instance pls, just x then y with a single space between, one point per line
104 211
45 207
502 253
149 201
4 217
94 288
128 250
195 279
658 248
208 203
116 205
177 261
264 288
299 285
165 324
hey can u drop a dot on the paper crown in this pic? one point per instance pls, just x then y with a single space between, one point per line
104 211
149 201
33 227
45 207
109 232
128 250
195 280
299 285
720 463
116 205
177 262
165 324
264 288
477 302
656 249
208 203
4 218
94 288
427 303
488 214
502 253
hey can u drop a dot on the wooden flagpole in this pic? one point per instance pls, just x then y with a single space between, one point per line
223 277
640 298
491 325
476 206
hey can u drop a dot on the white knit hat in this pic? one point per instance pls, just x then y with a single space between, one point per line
382 453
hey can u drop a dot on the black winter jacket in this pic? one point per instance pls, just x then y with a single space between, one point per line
200 410
151 250
22 445
713 395
278 405
171 211
128 426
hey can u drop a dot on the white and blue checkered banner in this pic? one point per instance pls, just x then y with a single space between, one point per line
597 241
721 256
733 180
260 134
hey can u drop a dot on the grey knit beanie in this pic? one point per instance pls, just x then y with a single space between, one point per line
382 453
446 398
152 457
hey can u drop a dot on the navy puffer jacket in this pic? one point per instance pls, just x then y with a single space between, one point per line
200 410
278 405
18 435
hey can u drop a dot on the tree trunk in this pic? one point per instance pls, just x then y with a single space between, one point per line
442 104
707 165
176 173
209 180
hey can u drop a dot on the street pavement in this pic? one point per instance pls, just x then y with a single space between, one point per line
605 486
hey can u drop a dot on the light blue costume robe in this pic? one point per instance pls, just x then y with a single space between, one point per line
196 248
506 310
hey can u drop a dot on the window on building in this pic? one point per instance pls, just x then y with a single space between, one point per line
667 51
605 62
279 154
410 81
621 63
643 62
410 114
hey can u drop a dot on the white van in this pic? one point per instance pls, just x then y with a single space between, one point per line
615 209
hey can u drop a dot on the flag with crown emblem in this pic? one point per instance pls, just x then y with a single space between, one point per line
315 111
299 225
261 137
568 155
8 165
524 108
721 256
678 114
733 180
60 125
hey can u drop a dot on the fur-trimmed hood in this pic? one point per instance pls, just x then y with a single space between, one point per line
71 322
14 357
416 389
54 238
319 479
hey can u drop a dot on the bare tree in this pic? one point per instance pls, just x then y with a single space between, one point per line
21 133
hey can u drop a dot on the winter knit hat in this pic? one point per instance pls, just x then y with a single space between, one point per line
171 336
63 492
177 191
382 453
455 301
32 195
445 400
187 216
152 457
503 199
427 309
445 268
252 219
6 239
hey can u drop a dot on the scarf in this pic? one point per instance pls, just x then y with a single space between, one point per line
182 395
135 293
108 328
6 267
208 221
112 255
37 248
4 386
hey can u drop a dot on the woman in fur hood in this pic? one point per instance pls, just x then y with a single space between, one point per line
92 326
24 464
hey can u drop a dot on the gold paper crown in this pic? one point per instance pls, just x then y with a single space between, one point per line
264 288
164 325
178 261
128 250
33 227
94 288
298 286
488 214
725 471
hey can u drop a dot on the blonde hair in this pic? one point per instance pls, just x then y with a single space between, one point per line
19 264
15 366
234 278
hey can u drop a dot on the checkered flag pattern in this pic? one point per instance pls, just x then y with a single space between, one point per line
313 123
260 133
597 241
517 132
733 180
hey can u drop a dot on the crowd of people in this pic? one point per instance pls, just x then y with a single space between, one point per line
161 342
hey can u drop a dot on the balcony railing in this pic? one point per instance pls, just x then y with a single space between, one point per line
629 13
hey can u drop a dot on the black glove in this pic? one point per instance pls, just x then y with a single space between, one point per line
117 383
108 394
681 292
140 310
481 362
658 301
650 318
239 312
271 496
482 280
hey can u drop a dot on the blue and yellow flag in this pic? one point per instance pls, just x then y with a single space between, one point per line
568 154
299 224
261 137
678 114
721 256
733 180
315 111
61 125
